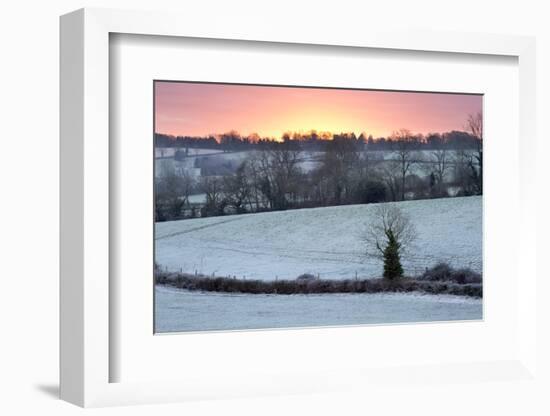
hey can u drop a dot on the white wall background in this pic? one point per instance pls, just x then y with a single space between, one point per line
29 205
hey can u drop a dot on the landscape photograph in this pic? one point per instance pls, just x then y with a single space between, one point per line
294 207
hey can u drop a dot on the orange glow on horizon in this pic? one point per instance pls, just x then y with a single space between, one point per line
197 109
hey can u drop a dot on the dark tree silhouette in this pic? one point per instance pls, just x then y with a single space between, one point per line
475 128
404 147
392 260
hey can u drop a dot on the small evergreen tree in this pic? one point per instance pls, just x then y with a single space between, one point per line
388 234
392 261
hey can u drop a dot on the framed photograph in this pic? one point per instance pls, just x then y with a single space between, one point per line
349 226
319 201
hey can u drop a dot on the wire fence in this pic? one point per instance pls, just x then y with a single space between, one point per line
416 265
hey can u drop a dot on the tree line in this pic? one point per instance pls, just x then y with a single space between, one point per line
312 140
272 177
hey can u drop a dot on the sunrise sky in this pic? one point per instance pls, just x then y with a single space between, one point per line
197 109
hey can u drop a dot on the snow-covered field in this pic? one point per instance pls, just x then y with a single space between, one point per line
179 310
161 152
167 166
323 241
197 199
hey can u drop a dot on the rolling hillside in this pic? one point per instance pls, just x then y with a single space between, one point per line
323 241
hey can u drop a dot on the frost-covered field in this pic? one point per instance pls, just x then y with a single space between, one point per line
197 199
179 310
161 152
322 241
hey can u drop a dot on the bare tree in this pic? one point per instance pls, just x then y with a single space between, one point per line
391 176
475 128
172 195
253 172
340 160
279 170
212 186
438 164
388 236
237 188
475 125
462 172
404 153
187 184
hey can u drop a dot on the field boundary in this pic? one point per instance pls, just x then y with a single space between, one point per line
315 286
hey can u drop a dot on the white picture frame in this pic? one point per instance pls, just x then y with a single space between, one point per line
86 305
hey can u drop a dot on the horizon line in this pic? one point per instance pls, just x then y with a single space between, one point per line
307 132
